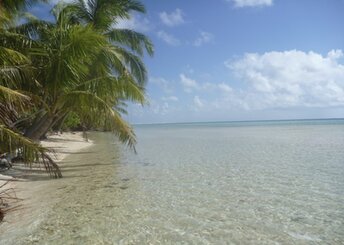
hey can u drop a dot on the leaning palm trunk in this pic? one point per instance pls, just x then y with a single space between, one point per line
39 130
40 127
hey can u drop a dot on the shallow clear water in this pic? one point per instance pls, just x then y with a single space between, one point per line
275 183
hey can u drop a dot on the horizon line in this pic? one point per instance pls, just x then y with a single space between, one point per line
238 121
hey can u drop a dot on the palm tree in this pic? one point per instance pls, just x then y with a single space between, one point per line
81 71
13 104
15 68
126 51
79 63
113 75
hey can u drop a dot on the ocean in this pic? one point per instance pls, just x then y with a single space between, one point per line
265 182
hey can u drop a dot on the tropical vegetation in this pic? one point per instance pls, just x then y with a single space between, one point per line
77 68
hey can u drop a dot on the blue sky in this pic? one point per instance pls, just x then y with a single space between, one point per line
221 60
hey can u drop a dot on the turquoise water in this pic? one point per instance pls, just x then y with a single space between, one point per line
275 182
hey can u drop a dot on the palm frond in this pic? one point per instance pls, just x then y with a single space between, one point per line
130 63
123 87
130 90
9 9
102 14
28 150
90 107
136 41
33 28
15 41
11 95
11 56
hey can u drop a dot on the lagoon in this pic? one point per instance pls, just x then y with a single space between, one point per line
275 182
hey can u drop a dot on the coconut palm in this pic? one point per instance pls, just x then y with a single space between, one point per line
68 80
75 64
127 47
14 103
15 70
111 76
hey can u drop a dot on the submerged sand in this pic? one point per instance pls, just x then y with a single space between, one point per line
29 184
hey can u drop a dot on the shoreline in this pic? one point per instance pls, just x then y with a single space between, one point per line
28 184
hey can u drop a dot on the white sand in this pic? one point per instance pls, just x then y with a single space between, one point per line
64 144
61 145
30 186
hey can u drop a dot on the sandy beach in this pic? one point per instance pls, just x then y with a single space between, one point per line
29 184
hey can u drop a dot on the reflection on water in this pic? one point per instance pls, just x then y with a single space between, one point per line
203 185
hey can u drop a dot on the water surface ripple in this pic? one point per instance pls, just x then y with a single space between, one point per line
204 184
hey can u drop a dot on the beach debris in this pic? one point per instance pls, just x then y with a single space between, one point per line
5 164
5 161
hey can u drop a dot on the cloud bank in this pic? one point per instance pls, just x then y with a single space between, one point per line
292 78
275 84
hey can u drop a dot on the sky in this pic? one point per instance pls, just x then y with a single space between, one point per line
229 60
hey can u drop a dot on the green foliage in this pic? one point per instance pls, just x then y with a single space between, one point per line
71 122
76 70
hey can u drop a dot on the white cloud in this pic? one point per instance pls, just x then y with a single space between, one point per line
225 87
188 83
164 108
197 102
136 22
162 83
251 3
158 108
277 84
170 98
205 37
173 19
207 86
291 78
335 54
168 38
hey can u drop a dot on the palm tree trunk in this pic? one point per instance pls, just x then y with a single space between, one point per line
55 121
40 127
59 122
